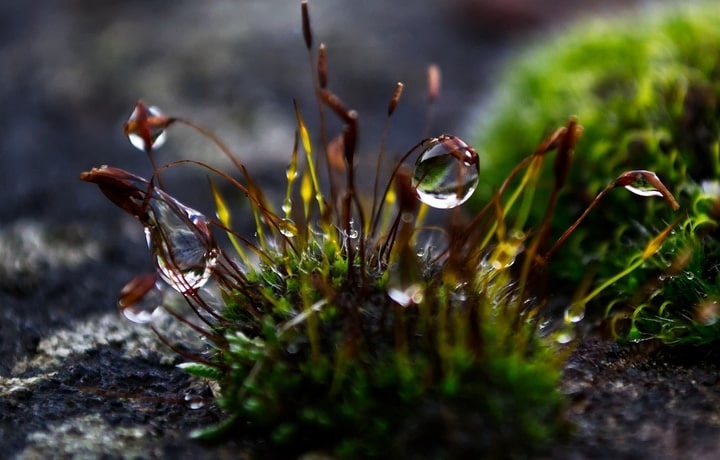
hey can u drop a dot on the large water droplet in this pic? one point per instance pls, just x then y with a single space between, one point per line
141 299
180 241
157 134
446 172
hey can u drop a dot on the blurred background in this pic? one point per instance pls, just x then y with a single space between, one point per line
71 71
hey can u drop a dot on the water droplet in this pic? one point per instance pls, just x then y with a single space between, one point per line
412 294
565 336
643 190
292 348
459 295
179 239
194 401
287 228
287 206
689 275
156 132
141 299
446 172
291 172
574 313
507 251
353 234
646 183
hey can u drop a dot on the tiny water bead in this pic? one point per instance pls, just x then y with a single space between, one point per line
194 401
180 241
446 173
288 228
141 300
507 251
146 128
574 313
646 183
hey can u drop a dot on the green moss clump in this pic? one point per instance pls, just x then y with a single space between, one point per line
647 89
336 327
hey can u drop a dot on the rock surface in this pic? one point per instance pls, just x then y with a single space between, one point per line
76 380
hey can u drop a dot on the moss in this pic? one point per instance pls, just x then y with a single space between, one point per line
647 89
358 339
336 327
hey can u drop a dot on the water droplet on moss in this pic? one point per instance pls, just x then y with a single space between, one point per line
180 241
446 173
574 313
287 228
194 401
287 206
565 336
353 233
157 134
507 251
141 299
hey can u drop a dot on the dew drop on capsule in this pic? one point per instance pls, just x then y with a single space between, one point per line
141 299
287 227
158 135
446 173
180 241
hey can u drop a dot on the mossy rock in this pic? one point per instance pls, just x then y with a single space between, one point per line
646 89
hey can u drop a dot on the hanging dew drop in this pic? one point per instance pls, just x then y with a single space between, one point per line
287 206
574 313
288 228
180 241
141 299
157 132
643 190
446 172
353 233
646 183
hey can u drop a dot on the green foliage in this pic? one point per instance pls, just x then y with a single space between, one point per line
675 296
647 89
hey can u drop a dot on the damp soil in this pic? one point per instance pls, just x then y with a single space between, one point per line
639 402
643 401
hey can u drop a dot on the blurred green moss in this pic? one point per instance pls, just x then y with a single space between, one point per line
646 88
